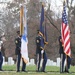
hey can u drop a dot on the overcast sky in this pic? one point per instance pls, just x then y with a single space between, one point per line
57 5
3 3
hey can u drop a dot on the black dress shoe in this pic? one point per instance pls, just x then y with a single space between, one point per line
18 70
24 71
37 71
66 71
42 70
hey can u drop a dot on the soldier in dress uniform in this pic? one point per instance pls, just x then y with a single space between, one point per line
18 53
68 63
62 55
40 53
44 61
1 56
2 39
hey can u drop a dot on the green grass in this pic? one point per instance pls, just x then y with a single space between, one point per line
50 70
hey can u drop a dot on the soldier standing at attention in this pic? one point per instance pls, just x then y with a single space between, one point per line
2 39
18 53
62 55
40 54
38 51
1 56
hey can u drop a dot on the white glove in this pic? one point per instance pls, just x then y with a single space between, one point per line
1 42
42 51
0 48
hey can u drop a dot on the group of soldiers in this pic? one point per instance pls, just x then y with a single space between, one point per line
40 55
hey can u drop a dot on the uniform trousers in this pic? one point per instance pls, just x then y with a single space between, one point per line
62 58
67 66
1 60
68 62
18 63
44 61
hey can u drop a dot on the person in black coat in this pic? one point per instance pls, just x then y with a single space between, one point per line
18 53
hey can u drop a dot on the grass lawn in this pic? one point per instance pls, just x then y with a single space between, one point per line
50 70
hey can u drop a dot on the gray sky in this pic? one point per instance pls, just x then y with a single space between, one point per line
57 6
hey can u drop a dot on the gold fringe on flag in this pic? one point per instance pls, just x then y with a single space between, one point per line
26 61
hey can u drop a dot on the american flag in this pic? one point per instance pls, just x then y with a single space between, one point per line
65 33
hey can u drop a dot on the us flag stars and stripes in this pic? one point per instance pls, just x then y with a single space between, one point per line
65 33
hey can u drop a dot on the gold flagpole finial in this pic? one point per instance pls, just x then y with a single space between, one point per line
64 0
43 4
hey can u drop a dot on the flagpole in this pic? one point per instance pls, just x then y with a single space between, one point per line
42 3
23 33
21 20
44 34
66 66
24 40
61 66
65 33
